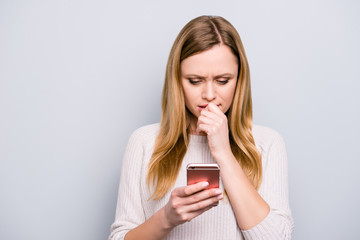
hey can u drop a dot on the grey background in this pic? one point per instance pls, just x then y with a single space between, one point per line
77 77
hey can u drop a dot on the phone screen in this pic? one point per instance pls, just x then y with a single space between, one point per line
203 173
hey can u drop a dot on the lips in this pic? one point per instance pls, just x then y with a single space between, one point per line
202 107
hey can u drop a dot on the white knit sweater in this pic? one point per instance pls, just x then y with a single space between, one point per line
134 206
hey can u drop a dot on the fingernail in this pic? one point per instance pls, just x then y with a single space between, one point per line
205 184
220 197
218 191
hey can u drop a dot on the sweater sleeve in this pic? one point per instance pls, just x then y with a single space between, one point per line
278 225
129 210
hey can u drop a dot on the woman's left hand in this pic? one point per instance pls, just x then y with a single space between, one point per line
213 122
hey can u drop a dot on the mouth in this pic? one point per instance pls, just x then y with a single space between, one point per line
202 107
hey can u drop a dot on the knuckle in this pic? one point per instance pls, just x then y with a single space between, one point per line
184 218
178 212
199 205
196 198
187 190
173 194
175 205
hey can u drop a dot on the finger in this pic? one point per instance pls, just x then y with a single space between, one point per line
212 115
212 120
213 108
198 206
191 189
192 215
205 120
208 129
202 195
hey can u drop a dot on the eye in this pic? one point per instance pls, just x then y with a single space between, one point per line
223 81
194 81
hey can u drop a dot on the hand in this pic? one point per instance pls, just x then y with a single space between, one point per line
189 202
214 123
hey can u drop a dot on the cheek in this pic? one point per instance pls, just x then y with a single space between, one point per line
229 95
186 97
189 94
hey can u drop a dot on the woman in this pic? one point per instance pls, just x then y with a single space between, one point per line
206 118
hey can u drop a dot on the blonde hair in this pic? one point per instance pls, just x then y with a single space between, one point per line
200 34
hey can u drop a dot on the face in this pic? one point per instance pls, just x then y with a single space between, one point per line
209 76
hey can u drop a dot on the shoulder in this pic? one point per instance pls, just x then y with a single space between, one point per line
265 137
145 134
147 130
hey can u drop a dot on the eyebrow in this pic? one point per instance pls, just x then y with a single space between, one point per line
216 77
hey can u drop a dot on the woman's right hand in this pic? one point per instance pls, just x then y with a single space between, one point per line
189 202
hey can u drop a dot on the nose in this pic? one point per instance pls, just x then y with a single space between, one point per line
209 91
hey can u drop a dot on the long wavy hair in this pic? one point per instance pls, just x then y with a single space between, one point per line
199 35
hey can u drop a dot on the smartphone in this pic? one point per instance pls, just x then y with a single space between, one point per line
203 172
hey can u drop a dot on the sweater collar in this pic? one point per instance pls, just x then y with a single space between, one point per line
198 139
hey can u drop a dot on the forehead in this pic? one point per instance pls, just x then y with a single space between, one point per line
218 59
